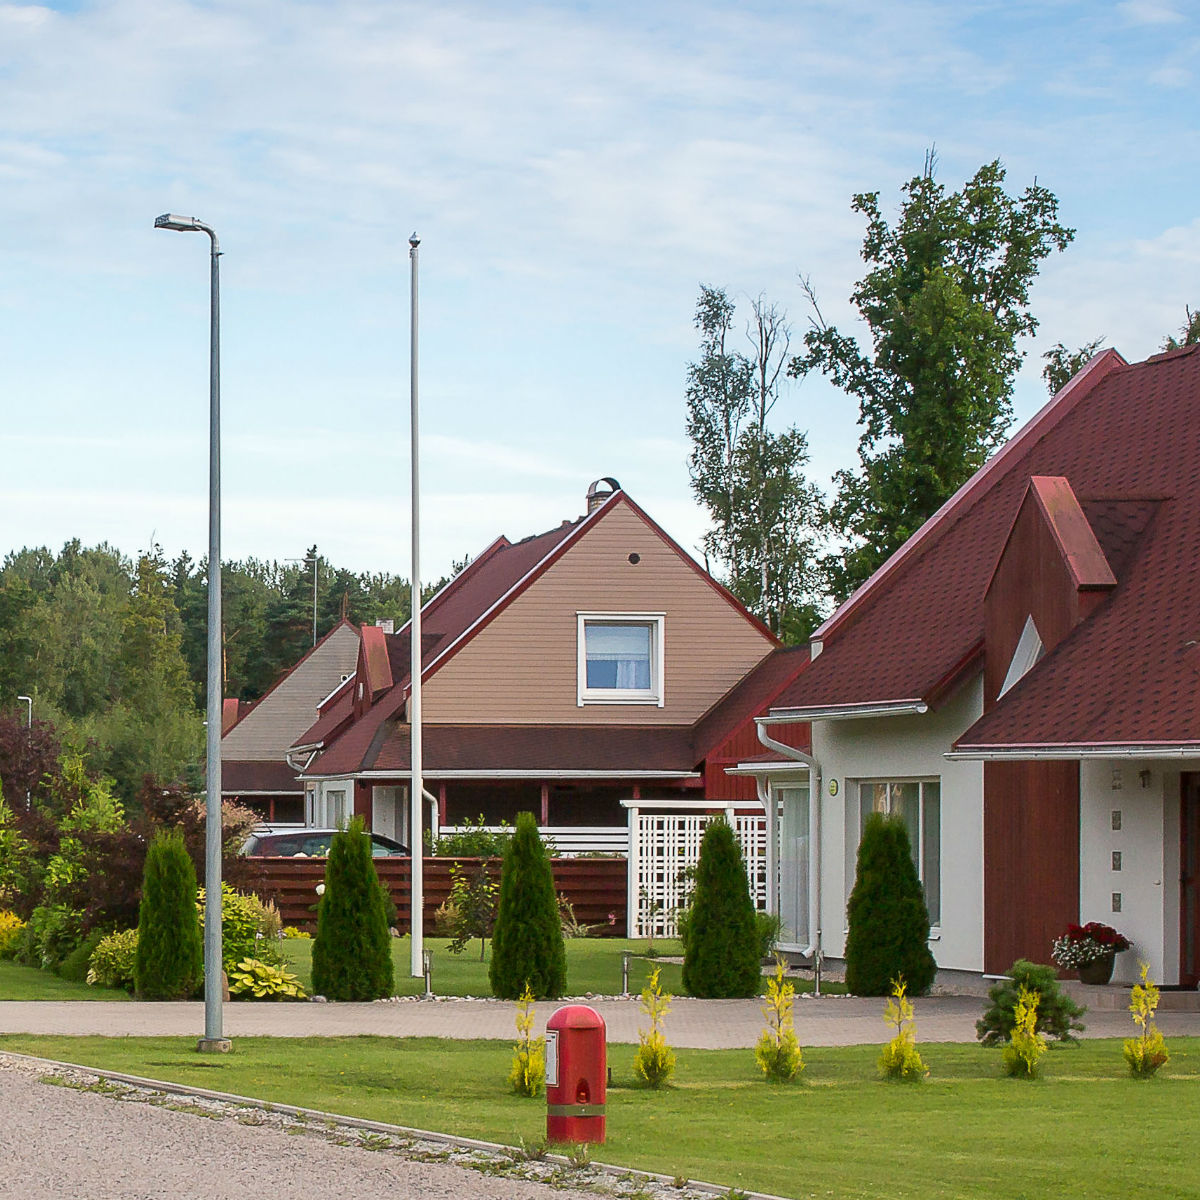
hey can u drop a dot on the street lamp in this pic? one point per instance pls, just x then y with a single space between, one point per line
213 1039
28 737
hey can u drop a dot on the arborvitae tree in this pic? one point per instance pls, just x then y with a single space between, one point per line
722 955
527 943
889 923
352 952
170 954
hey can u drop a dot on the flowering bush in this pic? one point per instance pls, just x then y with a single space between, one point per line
11 928
111 964
1083 944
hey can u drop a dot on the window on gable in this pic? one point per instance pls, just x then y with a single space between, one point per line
620 658
1026 656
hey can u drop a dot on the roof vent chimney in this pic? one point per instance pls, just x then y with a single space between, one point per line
387 625
597 493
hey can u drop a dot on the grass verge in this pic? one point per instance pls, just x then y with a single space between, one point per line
1085 1130
593 965
32 983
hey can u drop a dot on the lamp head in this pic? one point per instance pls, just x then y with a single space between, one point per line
183 224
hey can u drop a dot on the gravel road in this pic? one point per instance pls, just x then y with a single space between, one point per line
57 1142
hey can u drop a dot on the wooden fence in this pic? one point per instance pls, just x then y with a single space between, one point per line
595 887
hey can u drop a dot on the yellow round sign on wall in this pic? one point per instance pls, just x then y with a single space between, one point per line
833 787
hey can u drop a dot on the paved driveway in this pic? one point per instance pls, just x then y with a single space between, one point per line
704 1024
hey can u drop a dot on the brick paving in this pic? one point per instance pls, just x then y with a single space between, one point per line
703 1024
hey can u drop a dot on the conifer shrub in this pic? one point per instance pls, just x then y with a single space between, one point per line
654 1061
1023 1052
169 964
527 1075
778 1052
900 1058
352 952
1146 1052
722 957
1057 1014
527 940
888 921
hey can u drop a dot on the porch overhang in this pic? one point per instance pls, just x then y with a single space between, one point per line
754 770
522 773
845 712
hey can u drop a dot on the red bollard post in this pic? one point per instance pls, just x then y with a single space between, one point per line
576 1075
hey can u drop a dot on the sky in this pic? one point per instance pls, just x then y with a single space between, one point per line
575 172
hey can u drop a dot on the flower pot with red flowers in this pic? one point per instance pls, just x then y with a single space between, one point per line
1090 949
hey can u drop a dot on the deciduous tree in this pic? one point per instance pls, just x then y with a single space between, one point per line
766 517
946 301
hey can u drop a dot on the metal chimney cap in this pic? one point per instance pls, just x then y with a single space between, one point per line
596 495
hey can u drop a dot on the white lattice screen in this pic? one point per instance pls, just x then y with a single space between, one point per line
665 846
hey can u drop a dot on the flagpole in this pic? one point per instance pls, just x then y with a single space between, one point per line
417 786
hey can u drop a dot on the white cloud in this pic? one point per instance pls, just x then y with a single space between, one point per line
1149 12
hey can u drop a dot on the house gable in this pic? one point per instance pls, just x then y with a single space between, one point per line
1050 576
523 661
267 729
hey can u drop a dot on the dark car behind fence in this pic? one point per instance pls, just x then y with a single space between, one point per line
595 888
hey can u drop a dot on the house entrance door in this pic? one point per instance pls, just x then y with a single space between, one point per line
1189 878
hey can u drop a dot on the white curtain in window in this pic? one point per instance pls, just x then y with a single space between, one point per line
618 656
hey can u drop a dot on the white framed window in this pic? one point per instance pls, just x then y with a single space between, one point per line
620 658
918 802
331 805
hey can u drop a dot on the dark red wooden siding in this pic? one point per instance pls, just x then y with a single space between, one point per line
741 745
595 888
1030 859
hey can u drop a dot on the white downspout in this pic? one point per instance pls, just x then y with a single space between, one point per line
814 877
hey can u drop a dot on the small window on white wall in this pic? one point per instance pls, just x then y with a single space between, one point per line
918 803
620 658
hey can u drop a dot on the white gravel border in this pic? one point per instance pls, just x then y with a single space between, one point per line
415 1145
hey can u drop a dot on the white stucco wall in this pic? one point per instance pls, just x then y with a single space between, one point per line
900 748
1148 842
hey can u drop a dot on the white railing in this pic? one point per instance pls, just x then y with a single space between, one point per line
566 841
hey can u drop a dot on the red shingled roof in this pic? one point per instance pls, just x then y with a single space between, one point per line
1127 438
749 698
241 777
534 749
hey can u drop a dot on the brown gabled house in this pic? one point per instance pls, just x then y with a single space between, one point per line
256 738
571 674
1021 683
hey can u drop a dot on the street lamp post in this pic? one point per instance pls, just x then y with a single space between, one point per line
28 737
214 1039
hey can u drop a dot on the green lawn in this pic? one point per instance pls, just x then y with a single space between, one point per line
593 965
1085 1130
30 983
